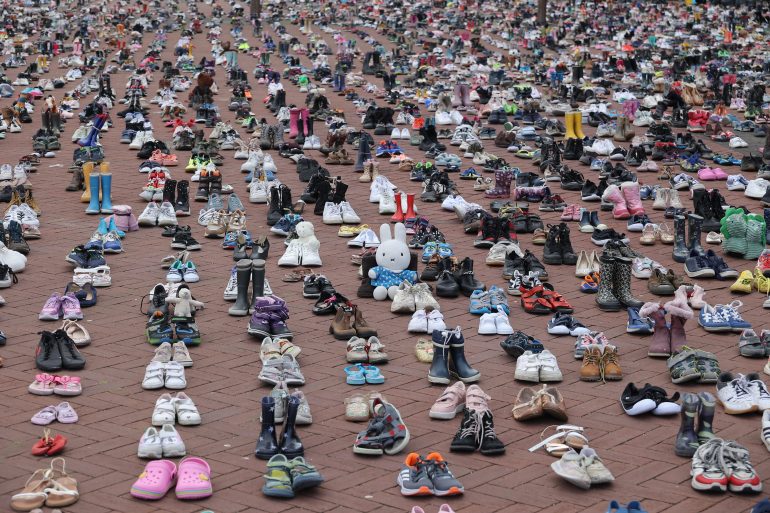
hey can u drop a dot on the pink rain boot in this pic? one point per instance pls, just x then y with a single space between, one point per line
293 119
632 196
660 345
680 311
613 195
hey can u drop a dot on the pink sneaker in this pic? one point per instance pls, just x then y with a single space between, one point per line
156 480
451 402
719 173
194 480
70 306
51 308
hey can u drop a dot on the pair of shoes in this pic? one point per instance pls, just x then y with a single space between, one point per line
169 375
290 445
723 317
742 394
360 350
601 363
493 300
270 312
693 365
543 299
158 215
284 368
449 347
428 476
186 272
51 487
667 338
62 412
533 403
284 477
65 307
720 465
349 322
177 352
193 480
565 324
163 443
179 409
566 438
426 321
582 469
539 367
47 384
57 351
477 429
648 399
519 342
411 297
496 323
363 373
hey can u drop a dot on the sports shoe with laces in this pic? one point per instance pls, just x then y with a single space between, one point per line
735 395
167 214
444 482
413 478
707 471
149 217
758 389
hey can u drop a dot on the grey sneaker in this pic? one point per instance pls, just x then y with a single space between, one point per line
594 466
303 413
182 355
413 478
162 353
750 345
444 482
570 468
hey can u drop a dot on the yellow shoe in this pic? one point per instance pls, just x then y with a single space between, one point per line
743 283
424 350
192 165
351 231
762 283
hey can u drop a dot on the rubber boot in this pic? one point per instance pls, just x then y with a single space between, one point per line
680 252
93 206
267 444
621 283
293 118
439 368
290 445
605 298
243 275
300 132
308 122
660 344
105 193
398 217
694 224
460 366
410 214
706 417
686 442
88 168
257 281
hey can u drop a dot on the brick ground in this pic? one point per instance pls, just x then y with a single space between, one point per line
114 410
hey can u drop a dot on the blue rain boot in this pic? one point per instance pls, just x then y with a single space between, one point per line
93 181
93 136
113 228
106 190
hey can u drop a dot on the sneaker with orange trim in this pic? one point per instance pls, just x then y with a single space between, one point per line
590 283
444 482
413 478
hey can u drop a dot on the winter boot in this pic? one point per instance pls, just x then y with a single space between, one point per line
93 206
605 297
106 184
465 278
459 365
694 224
439 368
660 345
290 445
293 118
88 168
680 252
182 204
568 256
621 283
267 444
632 196
614 195
243 277
686 442
680 311
552 250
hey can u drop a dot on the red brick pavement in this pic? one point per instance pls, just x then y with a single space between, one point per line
114 410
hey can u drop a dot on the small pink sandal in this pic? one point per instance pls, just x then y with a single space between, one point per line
43 385
194 480
67 385
156 480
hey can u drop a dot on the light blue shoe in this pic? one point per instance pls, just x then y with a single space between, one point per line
479 302
114 228
430 249
372 374
355 375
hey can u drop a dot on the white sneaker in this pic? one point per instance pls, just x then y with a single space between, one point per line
332 213
291 257
231 289
735 395
164 412
150 445
150 215
436 321
310 255
348 214
765 432
205 215
736 183
171 442
6 172
182 354
258 192
387 202
186 412
758 391
365 239
502 324
487 324
549 367
167 214
153 376
175 379
496 255
527 367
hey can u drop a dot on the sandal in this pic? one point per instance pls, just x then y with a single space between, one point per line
278 478
533 302
43 384
63 490
665 173
372 374
355 375
566 438
556 300
67 386
386 432
33 494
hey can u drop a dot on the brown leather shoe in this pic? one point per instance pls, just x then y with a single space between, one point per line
611 364
528 405
342 325
591 370
553 403
659 284
359 324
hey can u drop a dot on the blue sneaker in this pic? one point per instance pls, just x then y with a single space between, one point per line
637 324
498 300
430 249
445 250
711 319
480 302
730 314
112 243
469 174
230 240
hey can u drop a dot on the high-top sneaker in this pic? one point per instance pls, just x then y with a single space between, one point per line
476 401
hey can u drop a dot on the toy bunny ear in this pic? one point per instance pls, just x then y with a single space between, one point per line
385 232
400 232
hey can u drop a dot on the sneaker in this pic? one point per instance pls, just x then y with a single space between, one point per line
548 367
707 473
758 391
444 482
741 474
570 468
413 478
735 395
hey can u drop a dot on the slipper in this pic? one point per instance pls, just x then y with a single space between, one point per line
355 375
372 374
44 416
156 480
66 414
194 480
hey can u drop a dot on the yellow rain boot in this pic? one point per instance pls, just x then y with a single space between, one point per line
88 168
104 168
568 123
577 124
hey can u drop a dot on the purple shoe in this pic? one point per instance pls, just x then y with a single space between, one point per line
259 324
70 306
279 329
52 308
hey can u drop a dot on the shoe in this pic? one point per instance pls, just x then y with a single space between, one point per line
735 395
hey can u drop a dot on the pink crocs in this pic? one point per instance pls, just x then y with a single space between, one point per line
194 480
156 480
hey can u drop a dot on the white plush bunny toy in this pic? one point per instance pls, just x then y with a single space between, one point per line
393 258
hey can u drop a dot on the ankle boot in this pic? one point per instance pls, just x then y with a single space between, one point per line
243 276
77 180
88 168
439 368
660 344
466 280
363 330
552 249
460 366
267 444
694 225
93 206
605 298
366 177
614 195
257 280
706 417
680 311
621 283
568 256
342 324
680 252
106 192
340 189
365 289
323 189
686 442
169 191
290 445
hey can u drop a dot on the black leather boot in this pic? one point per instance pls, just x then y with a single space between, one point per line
243 274
466 279
439 368
274 212
552 249
267 445
291 445
568 256
460 366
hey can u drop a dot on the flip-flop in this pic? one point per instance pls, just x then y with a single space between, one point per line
372 374
355 375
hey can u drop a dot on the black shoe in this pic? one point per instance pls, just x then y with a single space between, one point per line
590 192
519 342
71 357
602 237
48 356
465 438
